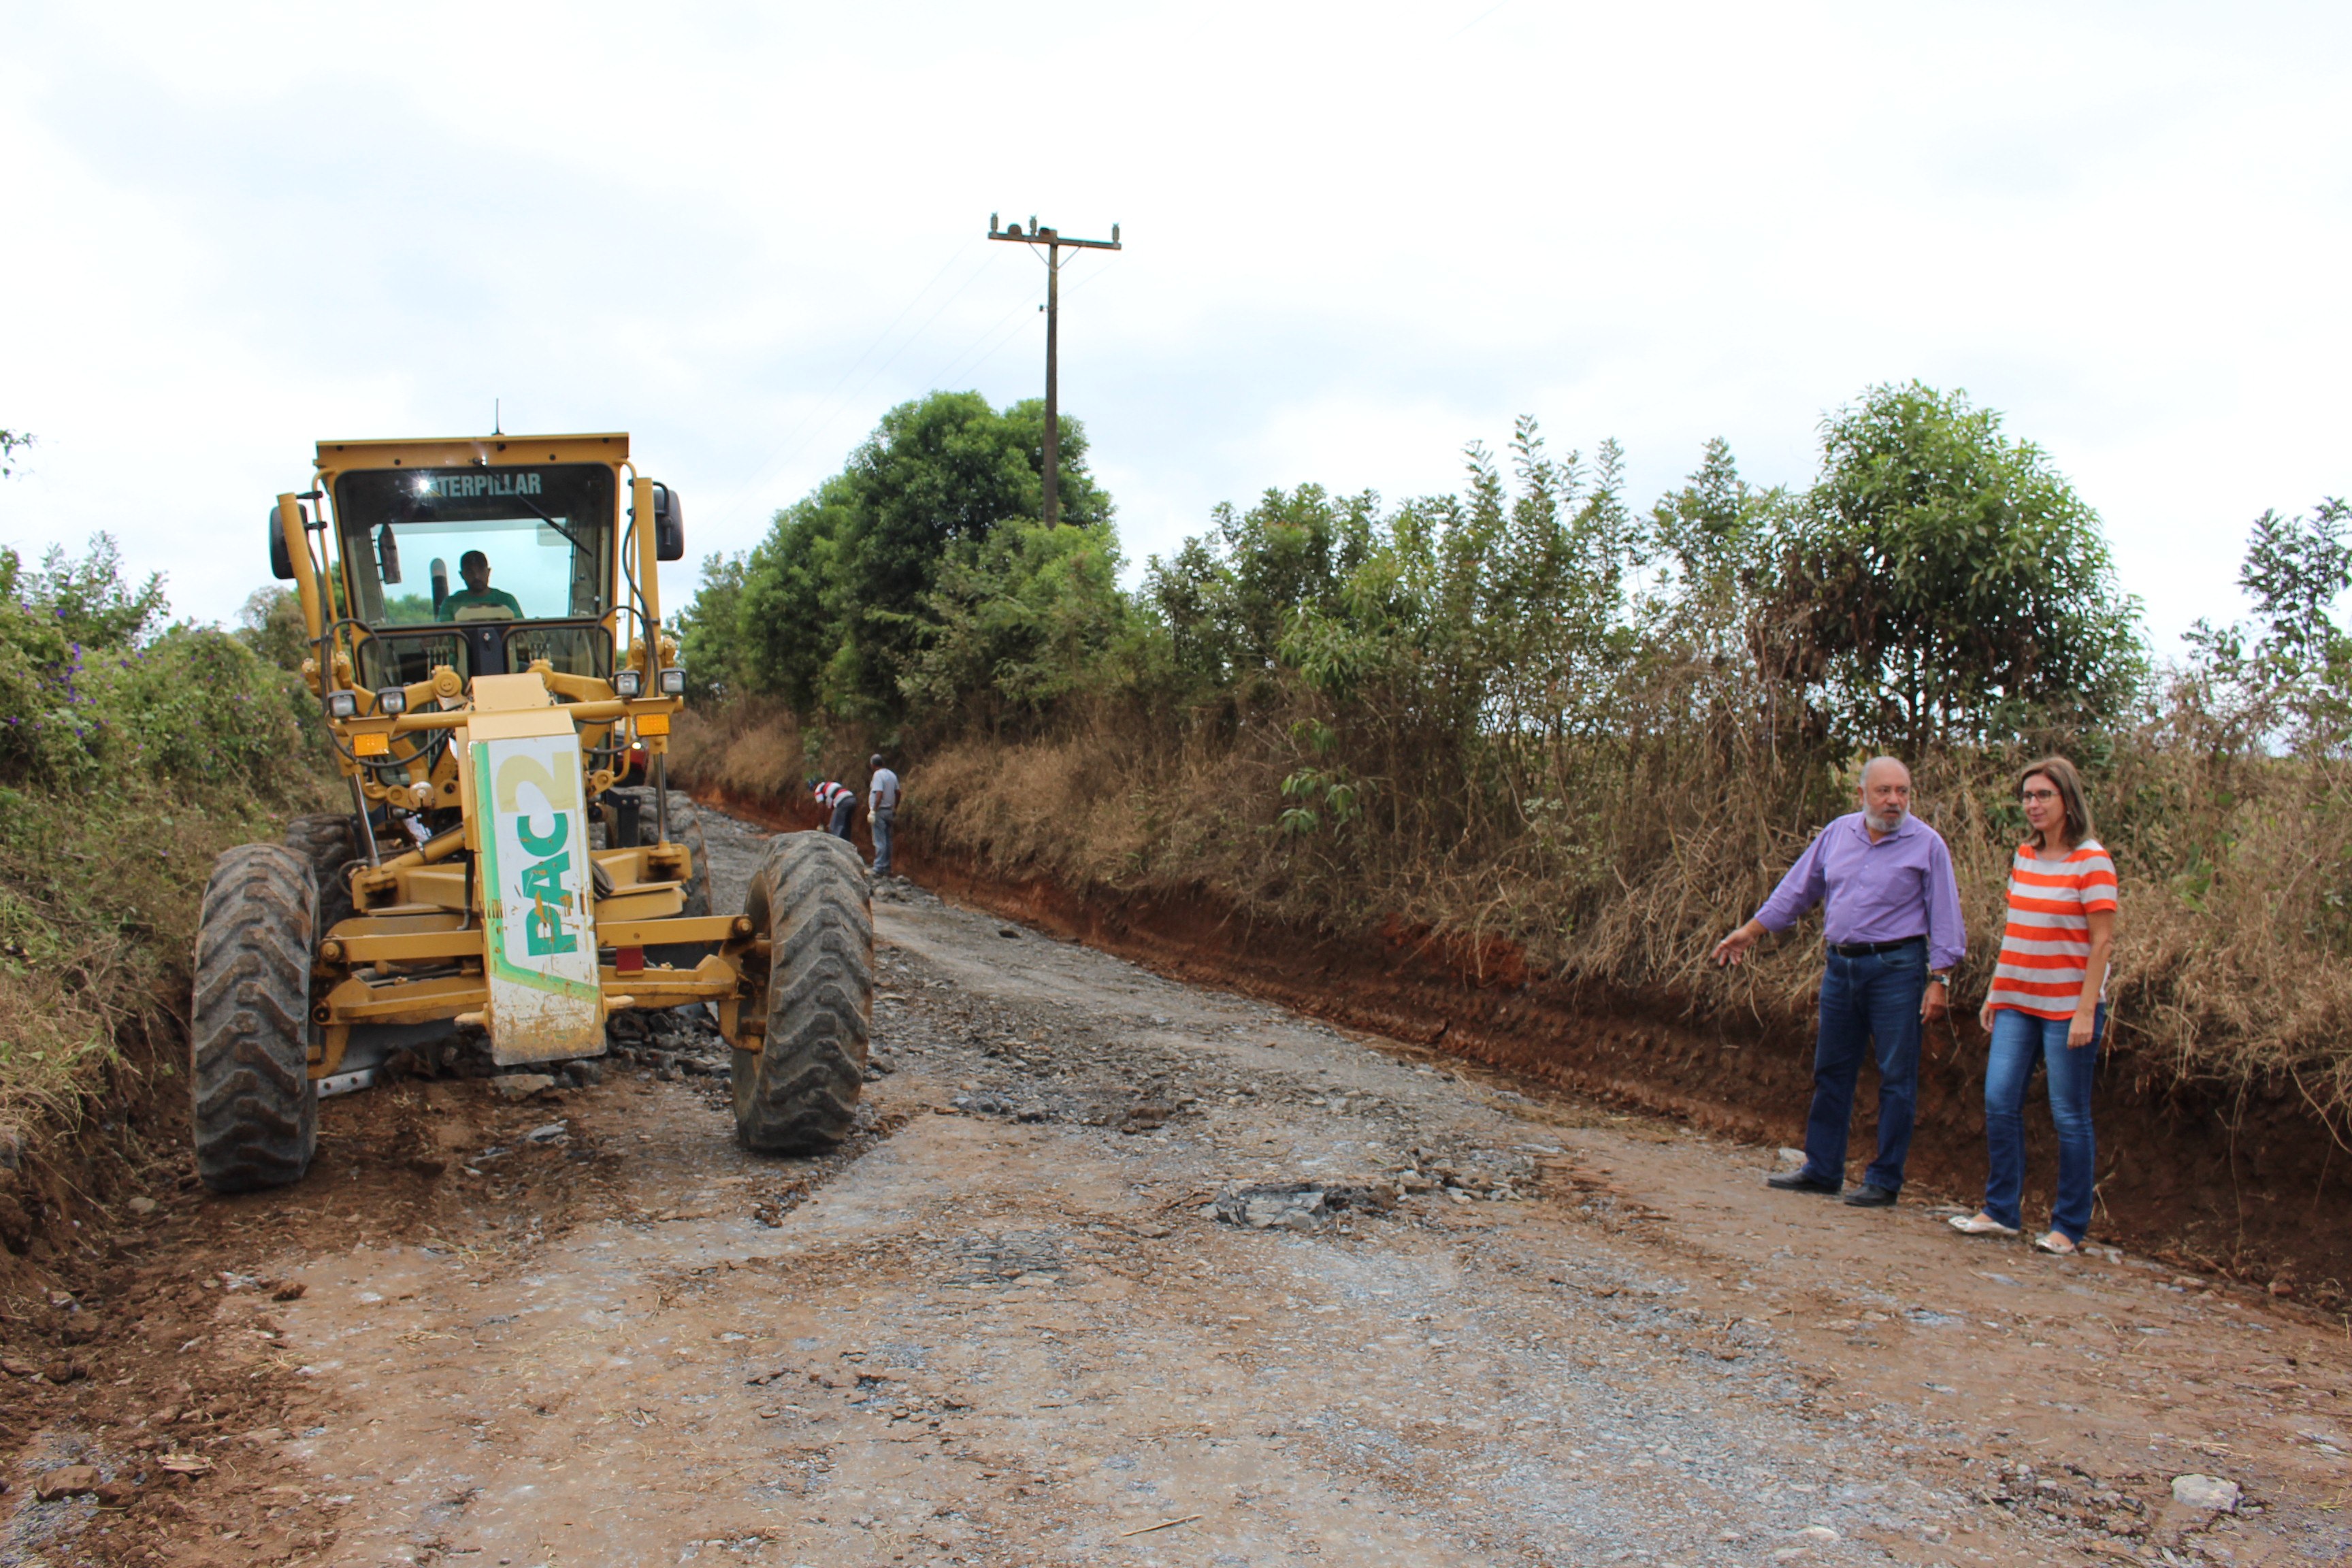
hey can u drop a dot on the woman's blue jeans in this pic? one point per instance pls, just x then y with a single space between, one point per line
2020 1043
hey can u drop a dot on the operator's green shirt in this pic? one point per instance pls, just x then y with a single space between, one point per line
468 599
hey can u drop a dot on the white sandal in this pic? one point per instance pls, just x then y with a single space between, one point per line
2055 1245
1981 1224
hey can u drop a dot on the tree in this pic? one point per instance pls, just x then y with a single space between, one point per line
2290 675
708 642
2295 570
270 624
1227 598
1953 579
1023 616
11 443
833 608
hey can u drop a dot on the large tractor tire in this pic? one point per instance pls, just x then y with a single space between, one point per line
257 1115
797 1094
330 842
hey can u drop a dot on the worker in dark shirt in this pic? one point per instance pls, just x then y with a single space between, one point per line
477 594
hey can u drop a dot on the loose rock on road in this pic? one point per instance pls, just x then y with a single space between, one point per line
1034 1312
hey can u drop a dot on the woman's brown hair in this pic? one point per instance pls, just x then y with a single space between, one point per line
2069 786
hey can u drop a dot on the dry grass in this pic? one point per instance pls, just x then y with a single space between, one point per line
1617 865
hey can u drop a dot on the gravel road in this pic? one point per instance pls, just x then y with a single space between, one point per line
1004 1325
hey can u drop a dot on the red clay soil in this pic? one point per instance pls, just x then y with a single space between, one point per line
2250 1185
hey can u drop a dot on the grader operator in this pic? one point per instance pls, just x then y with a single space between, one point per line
501 878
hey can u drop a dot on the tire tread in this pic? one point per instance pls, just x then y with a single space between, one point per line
253 1110
797 1094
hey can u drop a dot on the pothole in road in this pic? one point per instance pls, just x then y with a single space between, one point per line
1013 1255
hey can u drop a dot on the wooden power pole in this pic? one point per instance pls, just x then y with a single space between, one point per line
1055 243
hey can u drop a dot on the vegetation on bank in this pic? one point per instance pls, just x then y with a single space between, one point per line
133 751
1531 711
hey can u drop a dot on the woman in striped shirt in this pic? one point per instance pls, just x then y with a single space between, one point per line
2047 1006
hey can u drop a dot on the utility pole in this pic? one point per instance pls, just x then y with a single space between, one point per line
1054 242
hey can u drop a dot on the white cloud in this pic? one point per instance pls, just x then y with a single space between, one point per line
1359 237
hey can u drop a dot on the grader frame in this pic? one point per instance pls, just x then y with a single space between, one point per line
464 892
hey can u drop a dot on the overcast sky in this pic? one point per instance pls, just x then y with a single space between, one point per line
1358 236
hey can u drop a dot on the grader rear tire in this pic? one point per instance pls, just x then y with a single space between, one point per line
330 842
257 1115
797 1094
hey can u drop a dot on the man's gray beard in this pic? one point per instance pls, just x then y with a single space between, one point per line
1886 824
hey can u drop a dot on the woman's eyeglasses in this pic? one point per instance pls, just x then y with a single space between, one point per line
2037 794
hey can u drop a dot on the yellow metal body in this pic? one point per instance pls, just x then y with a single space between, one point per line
421 947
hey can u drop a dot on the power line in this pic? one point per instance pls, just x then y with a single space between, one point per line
997 340
784 450
902 348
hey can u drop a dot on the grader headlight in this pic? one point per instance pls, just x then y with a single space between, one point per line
392 700
628 683
342 704
673 682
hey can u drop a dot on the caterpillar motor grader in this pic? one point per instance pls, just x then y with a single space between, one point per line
501 875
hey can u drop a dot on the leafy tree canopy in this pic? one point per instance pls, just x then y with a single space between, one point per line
833 609
1951 577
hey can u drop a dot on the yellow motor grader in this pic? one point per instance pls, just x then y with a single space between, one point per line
511 868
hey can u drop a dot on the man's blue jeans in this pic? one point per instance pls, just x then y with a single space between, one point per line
882 820
1873 999
2022 1042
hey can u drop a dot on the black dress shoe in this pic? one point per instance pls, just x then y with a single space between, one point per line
1801 1181
1870 1196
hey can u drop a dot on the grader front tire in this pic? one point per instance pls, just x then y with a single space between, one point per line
797 1094
255 1113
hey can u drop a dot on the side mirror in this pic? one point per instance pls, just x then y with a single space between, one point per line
281 564
387 555
670 524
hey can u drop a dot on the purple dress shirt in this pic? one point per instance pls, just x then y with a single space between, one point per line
1898 887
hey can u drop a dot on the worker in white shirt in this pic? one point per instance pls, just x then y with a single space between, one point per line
881 808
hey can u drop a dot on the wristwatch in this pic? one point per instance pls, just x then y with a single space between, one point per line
1942 978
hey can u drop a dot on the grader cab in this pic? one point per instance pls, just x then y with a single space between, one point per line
484 617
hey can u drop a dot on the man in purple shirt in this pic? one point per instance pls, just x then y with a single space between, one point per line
1892 920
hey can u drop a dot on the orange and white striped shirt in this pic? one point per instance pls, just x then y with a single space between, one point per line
2045 951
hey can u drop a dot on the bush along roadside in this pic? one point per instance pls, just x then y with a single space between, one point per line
1579 742
132 752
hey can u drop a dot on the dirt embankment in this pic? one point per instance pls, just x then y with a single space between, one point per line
2250 1185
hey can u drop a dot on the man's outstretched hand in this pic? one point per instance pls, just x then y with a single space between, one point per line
1734 948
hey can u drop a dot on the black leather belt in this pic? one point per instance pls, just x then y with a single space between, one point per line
1864 948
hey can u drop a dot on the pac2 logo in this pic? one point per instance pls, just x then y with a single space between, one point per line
545 879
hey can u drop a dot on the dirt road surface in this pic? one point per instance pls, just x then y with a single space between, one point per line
1004 1326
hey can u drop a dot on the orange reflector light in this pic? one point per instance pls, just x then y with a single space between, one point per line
652 723
371 745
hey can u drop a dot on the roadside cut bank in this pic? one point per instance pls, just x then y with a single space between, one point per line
133 752
2249 1185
